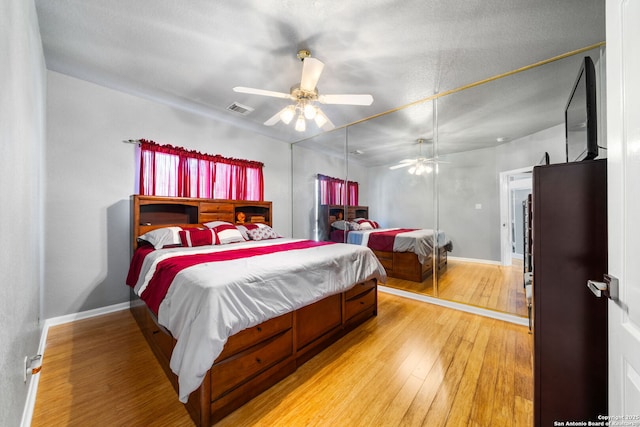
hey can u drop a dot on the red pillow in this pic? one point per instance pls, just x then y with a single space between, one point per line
196 237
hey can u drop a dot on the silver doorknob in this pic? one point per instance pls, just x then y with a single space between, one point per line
608 288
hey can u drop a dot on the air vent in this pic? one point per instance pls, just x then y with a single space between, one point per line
239 108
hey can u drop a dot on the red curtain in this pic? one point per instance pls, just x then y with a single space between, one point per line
335 191
177 172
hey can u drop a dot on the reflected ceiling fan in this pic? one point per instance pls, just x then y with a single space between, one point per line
305 95
419 165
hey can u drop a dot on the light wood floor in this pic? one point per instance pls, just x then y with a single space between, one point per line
414 364
483 285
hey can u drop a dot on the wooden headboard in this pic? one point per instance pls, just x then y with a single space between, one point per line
151 212
328 214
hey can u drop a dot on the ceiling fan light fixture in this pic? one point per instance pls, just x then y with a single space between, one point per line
304 95
287 114
309 111
301 124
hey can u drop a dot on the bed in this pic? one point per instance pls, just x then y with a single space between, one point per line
405 253
228 317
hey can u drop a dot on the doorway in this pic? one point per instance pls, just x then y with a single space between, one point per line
515 187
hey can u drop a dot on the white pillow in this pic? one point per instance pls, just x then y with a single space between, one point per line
161 237
340 225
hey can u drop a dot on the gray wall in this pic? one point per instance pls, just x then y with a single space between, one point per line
91 175
307 164
22 123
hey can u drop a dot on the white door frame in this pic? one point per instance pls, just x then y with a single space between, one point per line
505 213
623 188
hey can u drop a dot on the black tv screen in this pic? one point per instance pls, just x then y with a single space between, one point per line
580 116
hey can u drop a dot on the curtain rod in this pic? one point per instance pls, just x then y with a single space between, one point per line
131 141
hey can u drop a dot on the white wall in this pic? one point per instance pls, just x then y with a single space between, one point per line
399 199
91 176
22 124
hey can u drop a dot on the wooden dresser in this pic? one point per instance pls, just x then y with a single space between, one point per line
569 322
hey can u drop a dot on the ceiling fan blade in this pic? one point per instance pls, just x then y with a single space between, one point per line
400 165
262 92
311 70
346 99
434 160
275 118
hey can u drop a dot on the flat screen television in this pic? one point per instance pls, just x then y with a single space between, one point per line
580 115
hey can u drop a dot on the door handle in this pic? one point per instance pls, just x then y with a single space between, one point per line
607 288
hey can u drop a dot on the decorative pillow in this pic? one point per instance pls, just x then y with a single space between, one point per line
340 225
248 226
225 232
162 237
354 226
366 224
262 233
197 237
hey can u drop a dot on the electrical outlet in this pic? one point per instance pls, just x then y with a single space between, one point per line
32 366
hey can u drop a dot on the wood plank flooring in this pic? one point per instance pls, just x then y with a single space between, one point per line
414 364
495 287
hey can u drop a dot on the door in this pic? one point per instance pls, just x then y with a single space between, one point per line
623 140
510 182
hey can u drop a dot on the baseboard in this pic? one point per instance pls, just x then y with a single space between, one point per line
511 318
476 260
27 413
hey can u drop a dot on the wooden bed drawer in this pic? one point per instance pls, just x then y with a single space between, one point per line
360 303
359 288
312 321
215 216
216 208
236 370
386 259
251 336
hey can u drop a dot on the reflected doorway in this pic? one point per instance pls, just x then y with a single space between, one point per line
515 188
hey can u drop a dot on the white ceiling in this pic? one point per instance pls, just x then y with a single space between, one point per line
191 54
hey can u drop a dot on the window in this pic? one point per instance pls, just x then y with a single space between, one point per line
174 171
335 191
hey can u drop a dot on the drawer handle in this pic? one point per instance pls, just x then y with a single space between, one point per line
361 302
259 329
258 360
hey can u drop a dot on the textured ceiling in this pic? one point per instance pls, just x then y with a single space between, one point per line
191 54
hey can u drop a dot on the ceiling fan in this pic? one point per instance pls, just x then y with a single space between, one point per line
305 95
419 165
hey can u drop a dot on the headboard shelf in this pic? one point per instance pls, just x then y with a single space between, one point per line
151 212
168 213
329 213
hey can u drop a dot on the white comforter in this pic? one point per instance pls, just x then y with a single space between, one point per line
419 241
208 303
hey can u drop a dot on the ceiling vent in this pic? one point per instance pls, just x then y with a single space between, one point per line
239 108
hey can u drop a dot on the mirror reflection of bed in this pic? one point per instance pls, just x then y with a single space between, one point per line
461 196
407 253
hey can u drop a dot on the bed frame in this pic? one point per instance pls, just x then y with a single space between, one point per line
257 358
405 265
